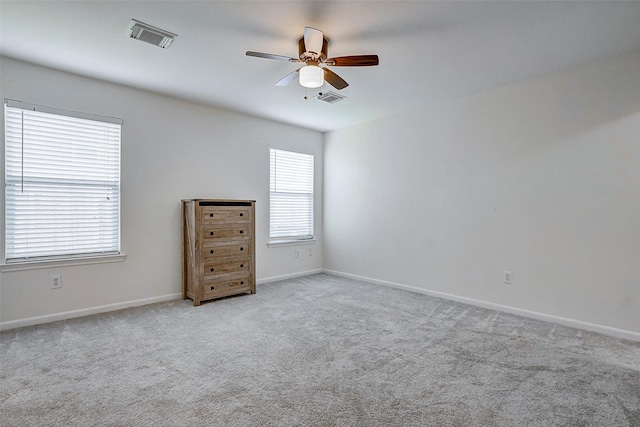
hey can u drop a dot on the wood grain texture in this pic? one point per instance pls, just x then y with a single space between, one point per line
334 80
354 61
219 248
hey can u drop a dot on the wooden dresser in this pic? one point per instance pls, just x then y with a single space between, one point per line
218 248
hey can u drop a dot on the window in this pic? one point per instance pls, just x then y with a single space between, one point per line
291 195
62 183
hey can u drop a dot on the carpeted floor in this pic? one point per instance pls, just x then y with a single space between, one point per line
316 351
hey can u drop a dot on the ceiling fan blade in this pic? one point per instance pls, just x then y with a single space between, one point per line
334 80
288 78
354 61
272 56
313 40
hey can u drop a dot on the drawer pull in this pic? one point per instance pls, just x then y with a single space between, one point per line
212 288
241 265
211 251
211 269
241 214
242 282
211 233
241 231
211 216
242 248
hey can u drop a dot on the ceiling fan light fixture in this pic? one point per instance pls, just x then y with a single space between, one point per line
311 76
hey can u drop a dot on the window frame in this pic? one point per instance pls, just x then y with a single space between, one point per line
277 239
74 256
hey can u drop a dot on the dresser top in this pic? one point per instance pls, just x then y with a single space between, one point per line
219 200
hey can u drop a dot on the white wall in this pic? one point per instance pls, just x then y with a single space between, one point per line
171 150
541 178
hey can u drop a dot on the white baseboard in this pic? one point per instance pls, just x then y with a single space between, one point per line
30 321
38 320
606 330
289 276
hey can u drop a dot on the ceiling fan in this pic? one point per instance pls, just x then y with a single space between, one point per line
312 51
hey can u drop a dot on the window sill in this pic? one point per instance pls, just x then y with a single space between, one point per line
293 242
33 265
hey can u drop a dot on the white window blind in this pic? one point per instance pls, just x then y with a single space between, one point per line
291 195
62 183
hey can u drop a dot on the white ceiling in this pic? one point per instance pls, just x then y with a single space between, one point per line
429 51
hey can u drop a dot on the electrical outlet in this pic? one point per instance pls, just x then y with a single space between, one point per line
507 277
297 253
56 281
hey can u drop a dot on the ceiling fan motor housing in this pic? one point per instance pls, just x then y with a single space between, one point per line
305 56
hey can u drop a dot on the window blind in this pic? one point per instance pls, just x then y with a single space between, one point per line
291 195
62 183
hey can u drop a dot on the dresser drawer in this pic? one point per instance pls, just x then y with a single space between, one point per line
237 232
223 266
231 286
226 215
213 251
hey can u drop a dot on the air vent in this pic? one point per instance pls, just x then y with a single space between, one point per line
330 97
146 33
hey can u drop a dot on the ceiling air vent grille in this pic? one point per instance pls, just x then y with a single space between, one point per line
147 33
330 97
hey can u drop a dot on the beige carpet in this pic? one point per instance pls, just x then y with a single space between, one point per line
316 351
